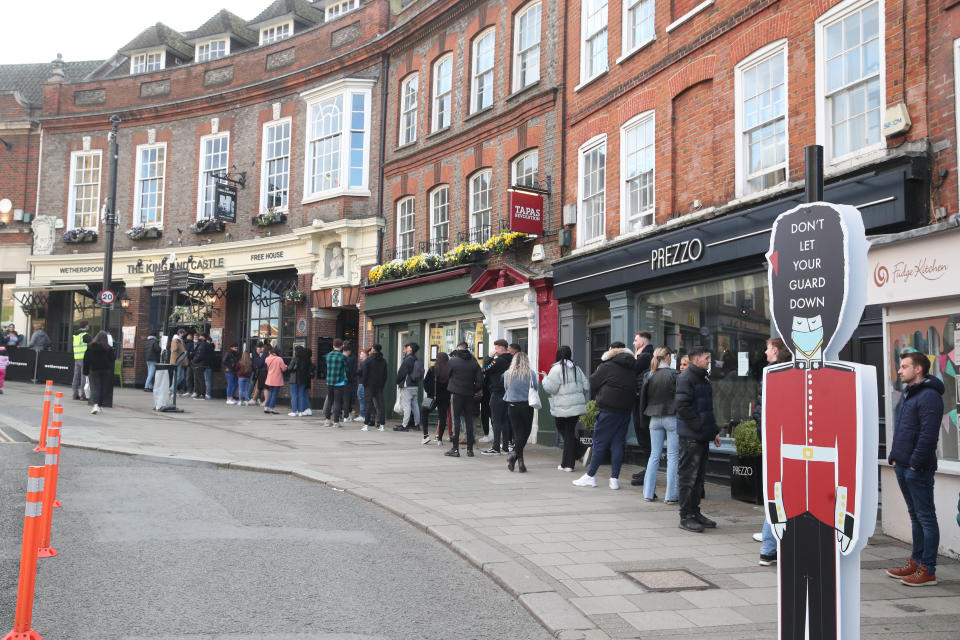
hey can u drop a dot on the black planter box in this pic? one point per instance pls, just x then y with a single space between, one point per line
746 479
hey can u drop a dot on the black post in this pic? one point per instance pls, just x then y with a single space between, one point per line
110 220
813 173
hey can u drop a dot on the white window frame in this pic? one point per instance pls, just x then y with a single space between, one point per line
406 206
339 9
640 120
433 215
437 97
515 168
628 48
205 56
585 38
533 71
409 109
474 230
835 14
476 73
202 173
740 154
139 62
265 159
138 190
268 32
72 199
587 147
347 88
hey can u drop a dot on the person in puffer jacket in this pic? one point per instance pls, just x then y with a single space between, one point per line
614 385
568 388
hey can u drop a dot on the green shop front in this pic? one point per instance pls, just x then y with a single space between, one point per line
434 310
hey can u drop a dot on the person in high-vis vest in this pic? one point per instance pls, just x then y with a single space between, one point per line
80 340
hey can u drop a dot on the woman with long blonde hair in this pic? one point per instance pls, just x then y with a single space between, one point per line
658 405
517 382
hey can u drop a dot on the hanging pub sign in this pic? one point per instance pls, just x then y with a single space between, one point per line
226 199
526 212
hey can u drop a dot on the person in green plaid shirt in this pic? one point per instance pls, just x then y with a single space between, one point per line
336 382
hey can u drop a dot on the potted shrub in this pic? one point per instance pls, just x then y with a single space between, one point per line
207 225
294 296
746 470
588 421
269 218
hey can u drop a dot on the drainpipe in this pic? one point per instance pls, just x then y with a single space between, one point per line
384 88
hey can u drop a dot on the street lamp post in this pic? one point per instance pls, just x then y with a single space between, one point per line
110 220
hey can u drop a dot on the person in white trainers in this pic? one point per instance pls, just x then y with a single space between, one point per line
437 396
614 388
373 376
244 373
98 362
568 389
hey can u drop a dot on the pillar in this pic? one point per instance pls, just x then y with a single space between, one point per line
573 331
622 320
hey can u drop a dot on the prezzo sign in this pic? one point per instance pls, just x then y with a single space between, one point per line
526 212
675 254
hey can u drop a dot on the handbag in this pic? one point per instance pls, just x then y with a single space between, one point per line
428 403
533 397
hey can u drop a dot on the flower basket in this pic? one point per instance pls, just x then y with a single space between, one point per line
294 296
141 232
187 316
505 241
389 271
423 263
465 253
76 236
269 218
207 225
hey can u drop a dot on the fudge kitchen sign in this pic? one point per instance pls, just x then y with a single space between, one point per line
916 269
526 212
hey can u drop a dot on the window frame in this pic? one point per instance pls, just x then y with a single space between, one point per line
138 187
431 195
956 102
625 49
475 73
201 172
823 121
434 96
585 77
587 147
759 56
207 43
517 53
264 190
351 6
639 120
72 199
288 22
412 232
514 177
347 88
475 231
135 69
405 112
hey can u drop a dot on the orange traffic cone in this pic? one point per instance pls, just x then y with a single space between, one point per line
51 470
44 421
28 559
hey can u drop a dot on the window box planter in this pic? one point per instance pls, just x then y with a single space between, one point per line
143 233
269 218
77 236
207 225
505 241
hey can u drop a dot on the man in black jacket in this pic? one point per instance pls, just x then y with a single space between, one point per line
493 376
409 375
696 426
614 387
466 380
201 363
373 377
643 352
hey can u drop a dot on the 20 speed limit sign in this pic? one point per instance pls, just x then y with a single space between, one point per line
106 297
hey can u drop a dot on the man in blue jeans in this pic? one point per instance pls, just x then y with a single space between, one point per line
913 455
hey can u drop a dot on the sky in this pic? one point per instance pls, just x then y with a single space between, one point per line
95 29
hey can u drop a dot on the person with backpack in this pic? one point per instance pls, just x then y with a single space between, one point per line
436 396
373 376
568 389
658 408
409 375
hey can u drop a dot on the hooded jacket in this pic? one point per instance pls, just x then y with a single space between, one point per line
410 371
373 372
695 418
567 387
151 349
614 382
917 428
494 370
466 377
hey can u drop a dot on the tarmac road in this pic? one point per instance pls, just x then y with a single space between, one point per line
182 551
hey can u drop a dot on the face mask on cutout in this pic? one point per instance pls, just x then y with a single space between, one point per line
807 336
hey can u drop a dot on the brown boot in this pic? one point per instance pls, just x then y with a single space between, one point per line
921 578
906 570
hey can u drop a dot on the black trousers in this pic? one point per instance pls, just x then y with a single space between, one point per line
572 448
373 411
807 560
485 414
339 401
101 387
521 421
690 475
641 428
199 380
499 421
462 406
443 404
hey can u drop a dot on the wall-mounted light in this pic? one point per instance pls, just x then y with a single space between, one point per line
369 324
125 303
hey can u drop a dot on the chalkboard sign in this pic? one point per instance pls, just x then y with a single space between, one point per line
128 359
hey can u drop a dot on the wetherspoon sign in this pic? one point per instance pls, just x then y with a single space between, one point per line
526 212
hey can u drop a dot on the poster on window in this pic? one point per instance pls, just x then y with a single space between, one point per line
216 337
129 337
436 341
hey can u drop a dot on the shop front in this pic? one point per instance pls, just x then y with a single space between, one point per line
915 278
706 284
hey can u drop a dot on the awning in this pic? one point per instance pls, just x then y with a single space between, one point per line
52 287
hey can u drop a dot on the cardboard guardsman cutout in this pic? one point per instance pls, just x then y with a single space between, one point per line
820 422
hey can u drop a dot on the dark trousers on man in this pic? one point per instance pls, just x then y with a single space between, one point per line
78 392
373 412
499 421
641 429
462 406
917 490
808 577
336 406
690 475
199 378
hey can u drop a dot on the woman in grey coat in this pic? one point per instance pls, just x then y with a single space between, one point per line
568 388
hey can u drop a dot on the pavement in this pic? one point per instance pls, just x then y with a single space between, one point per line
588 563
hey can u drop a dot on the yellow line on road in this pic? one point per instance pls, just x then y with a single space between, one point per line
4 437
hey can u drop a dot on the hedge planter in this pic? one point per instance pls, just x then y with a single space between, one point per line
746 479
269 218
207 225
144 233
77 236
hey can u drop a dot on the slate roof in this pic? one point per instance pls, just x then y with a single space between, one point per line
223 22
301 10
28 79
157 36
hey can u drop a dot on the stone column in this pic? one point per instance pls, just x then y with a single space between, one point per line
573 331
622 317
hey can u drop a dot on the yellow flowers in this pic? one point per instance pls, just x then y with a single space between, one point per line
503 242
465 253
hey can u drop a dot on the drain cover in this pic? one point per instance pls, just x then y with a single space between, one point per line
912 608
670 580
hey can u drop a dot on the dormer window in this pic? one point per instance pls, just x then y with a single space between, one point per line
148 61
340 7
273 33
212 49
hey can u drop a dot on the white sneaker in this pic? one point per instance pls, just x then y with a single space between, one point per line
231 401
426 440
486 438
614 483
326 423
560 467
758 537
380 428
365 428
585 481
308 412
293 414
96 409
